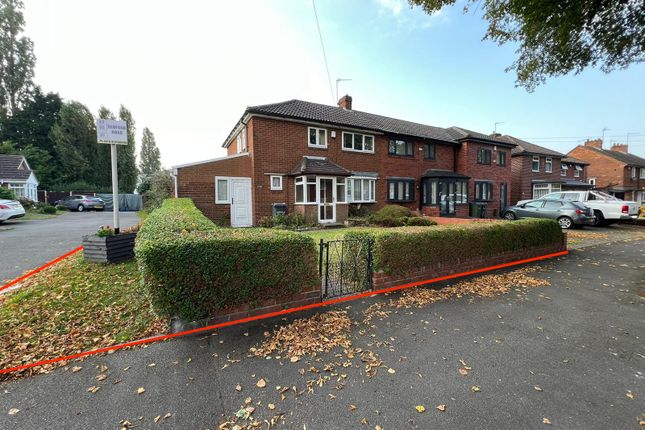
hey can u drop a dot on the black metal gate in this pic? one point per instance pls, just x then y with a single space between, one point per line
345 266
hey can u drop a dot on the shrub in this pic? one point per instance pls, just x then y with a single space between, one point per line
290 221
399 251
391 216
47 209
61 208
358 211
419 221
156 188
7 194
105 231
193 269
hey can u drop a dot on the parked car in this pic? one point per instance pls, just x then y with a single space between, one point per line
80 203
567 213
606 208
10 209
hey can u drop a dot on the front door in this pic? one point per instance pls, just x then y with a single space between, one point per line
241 206
503 190
447 198
326 200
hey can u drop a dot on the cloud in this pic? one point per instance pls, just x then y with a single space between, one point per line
393 6
409 18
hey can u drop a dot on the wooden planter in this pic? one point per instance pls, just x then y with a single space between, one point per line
109 249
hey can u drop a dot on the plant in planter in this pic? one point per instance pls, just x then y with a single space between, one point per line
107 247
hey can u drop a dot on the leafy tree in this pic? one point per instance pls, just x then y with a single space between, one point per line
16 58
149 158
74 137
127 155
28 129
104 158
559 37
161 185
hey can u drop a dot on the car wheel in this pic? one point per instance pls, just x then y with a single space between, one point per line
565 222
80 208
600 220
510 216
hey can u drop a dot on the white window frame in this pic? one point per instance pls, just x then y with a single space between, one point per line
318 144
275 188
226 201
350 186
241 141
304 181
535 158
564 168
548 165
576 171
592 181
634 172
353 149
547 187
341 190
19 189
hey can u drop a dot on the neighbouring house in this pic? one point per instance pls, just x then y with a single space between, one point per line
16 175
613 170
318 160
537 171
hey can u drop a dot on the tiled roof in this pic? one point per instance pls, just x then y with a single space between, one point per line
318 166
630 159
9 167
524 147
326 114
459 133
572 160
576 184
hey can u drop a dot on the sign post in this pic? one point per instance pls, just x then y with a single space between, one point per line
112 132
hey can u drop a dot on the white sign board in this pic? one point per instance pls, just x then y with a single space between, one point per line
112 131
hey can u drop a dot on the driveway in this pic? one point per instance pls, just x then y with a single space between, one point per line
570 355
26 245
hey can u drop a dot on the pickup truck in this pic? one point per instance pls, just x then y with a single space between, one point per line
607 208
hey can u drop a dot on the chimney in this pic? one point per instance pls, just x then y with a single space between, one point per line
619 147
596 143
345 102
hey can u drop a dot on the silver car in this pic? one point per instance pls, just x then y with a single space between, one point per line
567 213
79 202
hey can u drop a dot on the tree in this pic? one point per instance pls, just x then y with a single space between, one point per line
74 137
103 157
16 58
160 187
149 158
559 37
127 156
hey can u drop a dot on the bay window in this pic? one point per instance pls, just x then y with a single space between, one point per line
400 190
340 190
306 189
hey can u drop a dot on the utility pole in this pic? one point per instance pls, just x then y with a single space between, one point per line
337 81
604 129
495 126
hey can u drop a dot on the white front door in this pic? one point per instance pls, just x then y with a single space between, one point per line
241 204
326 200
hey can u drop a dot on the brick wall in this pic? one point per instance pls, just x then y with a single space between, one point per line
382 280
571 169
523 175
606 170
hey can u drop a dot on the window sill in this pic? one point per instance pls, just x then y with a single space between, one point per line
361 202
317 147
401 201
401 155
357 151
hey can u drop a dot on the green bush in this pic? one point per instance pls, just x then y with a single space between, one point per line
391 216
290 221
419 221
402 250
7 194
61 208
47 209
193 269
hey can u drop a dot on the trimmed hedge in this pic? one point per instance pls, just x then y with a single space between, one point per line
401 250
193 269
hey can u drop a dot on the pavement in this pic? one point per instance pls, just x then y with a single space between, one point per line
28 244
572 353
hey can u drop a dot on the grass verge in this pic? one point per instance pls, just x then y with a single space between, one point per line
71 307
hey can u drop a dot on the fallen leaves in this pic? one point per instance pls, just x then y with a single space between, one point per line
475 389
308 336
13 411
546 421
420 409
261 383
441 408
141 390
93 389
537 388
630 395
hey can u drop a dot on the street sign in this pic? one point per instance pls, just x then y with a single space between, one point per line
112 132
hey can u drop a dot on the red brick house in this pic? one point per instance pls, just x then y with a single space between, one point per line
613 170
537 171
317 160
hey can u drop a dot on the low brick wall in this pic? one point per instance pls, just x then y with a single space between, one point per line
382 280
248 310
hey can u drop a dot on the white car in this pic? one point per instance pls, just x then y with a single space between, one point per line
10 209
606 208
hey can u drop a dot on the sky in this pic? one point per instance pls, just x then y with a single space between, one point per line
187 70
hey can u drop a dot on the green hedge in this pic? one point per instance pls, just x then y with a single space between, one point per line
193 269
398 251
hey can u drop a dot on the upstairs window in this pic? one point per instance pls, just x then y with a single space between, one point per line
576 171
563 169
401 147
241 141
634 172
483 191
483 156
358 142
642 172
535 165
548 165
317 137
400 190
429 151
501 158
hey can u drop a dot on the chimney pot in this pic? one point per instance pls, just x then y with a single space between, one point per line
596 143
619 147
345 102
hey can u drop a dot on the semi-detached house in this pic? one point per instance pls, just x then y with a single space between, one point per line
318 160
